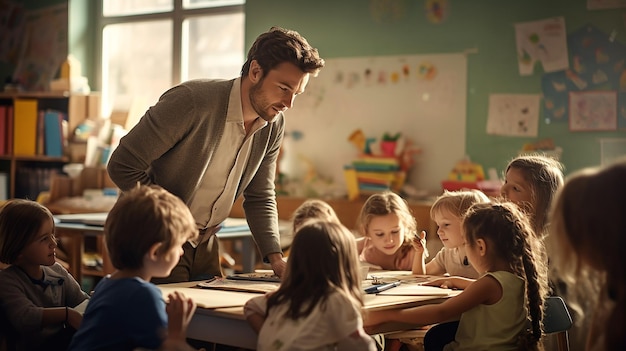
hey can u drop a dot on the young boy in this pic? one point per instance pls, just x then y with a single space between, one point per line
144 234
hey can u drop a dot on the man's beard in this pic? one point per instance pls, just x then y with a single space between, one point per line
258 101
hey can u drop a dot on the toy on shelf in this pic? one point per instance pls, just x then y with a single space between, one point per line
381 165
469 175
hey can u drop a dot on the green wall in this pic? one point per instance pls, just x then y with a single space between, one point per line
346 28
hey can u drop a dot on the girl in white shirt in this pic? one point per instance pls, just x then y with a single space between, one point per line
318 304
448 211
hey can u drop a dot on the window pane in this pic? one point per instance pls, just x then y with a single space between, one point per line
210 3
135 7
213 46
136 64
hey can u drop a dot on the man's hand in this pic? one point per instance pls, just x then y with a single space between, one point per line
278 263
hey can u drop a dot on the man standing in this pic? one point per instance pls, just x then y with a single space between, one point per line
210 141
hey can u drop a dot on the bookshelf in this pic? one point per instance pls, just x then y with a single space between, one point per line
26 163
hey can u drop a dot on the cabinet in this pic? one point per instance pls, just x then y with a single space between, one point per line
25 173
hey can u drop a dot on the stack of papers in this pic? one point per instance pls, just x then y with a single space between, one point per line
234 225
256 276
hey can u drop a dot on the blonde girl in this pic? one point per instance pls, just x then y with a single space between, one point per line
448 211
37 295
313 209
389 234
503 309
588 236
319 301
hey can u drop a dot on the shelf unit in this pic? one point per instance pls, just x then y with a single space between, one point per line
77 108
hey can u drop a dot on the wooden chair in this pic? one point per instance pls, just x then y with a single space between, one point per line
557 320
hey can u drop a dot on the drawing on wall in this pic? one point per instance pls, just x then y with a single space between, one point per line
426 70
421 96
605 4
387 10
593 111
541 41
598 64
513 115
436 10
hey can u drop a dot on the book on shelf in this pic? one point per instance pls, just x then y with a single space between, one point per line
9 138
3 129
53 133
25 118
4 186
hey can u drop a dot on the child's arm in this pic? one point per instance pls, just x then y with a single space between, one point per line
434 266
451 282
420 252
254 311
180 310
59 315
486 290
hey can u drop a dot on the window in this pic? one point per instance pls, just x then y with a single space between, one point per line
150 45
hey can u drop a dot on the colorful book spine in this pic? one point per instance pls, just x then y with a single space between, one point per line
3 129
9 140
25 127
10 130
53 133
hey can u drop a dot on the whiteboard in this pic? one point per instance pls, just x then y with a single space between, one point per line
421 96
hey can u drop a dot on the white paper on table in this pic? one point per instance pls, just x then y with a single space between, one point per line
81 307
416 290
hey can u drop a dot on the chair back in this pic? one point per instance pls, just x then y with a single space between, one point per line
557 320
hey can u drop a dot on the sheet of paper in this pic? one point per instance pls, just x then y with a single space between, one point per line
82 306
239 285
513 114
416 290
210 298
542 41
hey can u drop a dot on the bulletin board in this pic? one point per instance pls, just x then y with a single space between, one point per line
421 96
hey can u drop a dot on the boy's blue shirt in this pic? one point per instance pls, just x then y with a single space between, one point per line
123 314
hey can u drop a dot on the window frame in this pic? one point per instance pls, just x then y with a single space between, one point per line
178 15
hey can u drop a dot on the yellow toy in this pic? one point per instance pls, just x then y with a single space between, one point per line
467 171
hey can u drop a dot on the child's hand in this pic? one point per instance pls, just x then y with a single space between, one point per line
74 318
179 310
419 244
451 282
445 283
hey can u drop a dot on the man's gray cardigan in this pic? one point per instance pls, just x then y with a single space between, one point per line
173 144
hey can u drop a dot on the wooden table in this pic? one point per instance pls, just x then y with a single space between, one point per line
219 317
69 226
